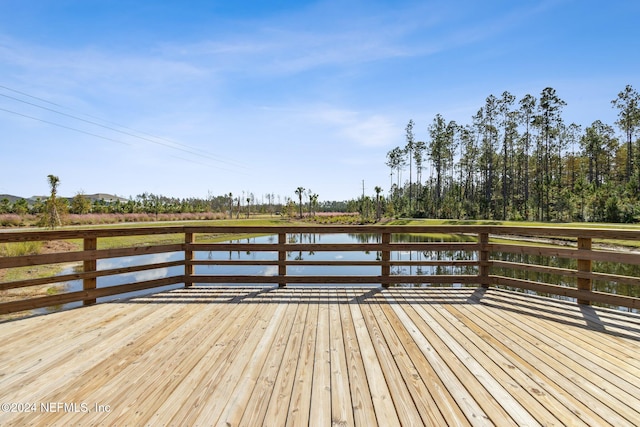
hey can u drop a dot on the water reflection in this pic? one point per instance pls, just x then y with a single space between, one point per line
404 263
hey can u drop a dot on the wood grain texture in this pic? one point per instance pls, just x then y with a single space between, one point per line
325 356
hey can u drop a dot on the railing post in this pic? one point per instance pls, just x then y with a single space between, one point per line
282 258
89 265
386 259
189 238
584 265
483 259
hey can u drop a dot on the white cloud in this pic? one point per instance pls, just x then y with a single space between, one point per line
375 130
363 128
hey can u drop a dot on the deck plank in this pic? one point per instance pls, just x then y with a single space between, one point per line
320 411
43 374
408 413
537 354
419 332
591 378
523 378
300 401
277 410
437 406
341 403
247 365
385 410
426 410
498 374
226 335
363 411
255 409
491 395
326 356
545 377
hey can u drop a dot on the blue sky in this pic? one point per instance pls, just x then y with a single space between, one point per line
194 98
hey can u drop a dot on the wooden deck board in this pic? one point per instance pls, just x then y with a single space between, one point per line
506 326
361 401
341 403
324 356
524 380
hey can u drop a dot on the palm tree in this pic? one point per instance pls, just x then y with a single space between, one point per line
313 203
299 192
53 216
378 190
408 149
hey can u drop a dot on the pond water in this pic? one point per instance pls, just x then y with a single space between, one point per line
614 268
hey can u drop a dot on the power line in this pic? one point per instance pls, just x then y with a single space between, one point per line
186 149
103 137
63 126
113 129
93 117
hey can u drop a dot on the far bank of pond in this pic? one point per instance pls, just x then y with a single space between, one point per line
459 255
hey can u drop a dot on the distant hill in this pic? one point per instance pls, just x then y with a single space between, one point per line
99 196
106 197
11 198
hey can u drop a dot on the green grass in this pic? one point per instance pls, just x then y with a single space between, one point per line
266 220
32 272
608 226
514 223
161 239
20 248
16 249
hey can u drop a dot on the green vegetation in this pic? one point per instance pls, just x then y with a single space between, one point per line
128 241
626 243
53 208
521 161
20 248
517 160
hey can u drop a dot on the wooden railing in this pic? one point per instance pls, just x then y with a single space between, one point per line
487 251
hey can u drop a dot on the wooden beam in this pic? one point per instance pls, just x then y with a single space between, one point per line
483 259
86 275
68 297
584 265
386 259
189 268
282 259
64 257
90 244
593 296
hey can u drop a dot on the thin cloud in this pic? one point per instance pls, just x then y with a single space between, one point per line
364 129
282 46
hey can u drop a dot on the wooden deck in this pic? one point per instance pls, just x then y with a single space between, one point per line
321 356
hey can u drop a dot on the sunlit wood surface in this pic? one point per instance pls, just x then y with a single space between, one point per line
323 356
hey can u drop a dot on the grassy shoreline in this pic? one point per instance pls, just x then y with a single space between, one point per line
128 241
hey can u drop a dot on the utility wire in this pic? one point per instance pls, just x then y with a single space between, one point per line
106 138
98 118
112 128
186 149
65 127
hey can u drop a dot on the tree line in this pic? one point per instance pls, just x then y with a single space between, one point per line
515 160
520 160
52 209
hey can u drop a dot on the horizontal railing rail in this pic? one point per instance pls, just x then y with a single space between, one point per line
557 261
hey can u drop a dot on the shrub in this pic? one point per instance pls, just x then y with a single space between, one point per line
20 249
10 220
